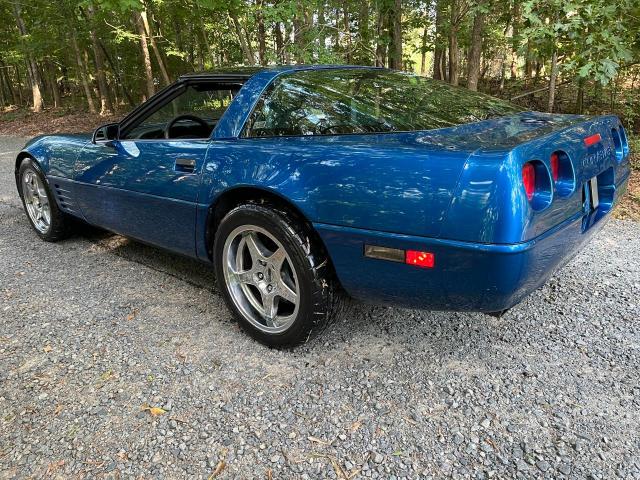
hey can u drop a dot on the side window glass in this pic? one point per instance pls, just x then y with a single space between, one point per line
294 107
192 114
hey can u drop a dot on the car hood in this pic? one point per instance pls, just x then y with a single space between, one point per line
62 137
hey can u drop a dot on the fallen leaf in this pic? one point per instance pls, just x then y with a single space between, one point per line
354 473
58 410
218 469
340 473
53 467
318 440
133 314
269 474
47 348
154 411
355 426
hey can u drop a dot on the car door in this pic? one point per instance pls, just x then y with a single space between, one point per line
145 183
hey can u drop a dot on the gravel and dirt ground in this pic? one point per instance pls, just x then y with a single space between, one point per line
98 331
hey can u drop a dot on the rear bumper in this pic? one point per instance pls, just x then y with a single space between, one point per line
467 276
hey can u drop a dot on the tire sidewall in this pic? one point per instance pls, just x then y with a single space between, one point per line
279 225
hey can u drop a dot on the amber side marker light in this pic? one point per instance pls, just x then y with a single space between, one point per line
592 139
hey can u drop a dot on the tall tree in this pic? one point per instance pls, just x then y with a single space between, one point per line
144 49
439 50
32 66
475 50
82 72
106 107
458 10
154 46
395 48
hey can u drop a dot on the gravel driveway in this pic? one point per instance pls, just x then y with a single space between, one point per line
98 330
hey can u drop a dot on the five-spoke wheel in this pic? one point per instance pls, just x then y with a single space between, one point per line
36 200
273 273
45 217
261 278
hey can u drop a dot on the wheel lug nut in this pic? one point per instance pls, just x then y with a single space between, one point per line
260 276
269 288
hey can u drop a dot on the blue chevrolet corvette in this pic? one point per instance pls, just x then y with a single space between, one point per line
297 183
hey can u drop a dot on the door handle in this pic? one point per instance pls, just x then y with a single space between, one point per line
185 164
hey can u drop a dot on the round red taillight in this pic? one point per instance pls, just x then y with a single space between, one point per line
529 179
555 167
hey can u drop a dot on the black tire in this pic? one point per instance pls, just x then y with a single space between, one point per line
60 223
315 275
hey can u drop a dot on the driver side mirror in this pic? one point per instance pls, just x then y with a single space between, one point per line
106 134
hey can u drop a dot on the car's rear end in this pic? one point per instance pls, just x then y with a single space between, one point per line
524 205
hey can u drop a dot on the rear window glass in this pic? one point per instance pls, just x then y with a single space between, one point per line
348 101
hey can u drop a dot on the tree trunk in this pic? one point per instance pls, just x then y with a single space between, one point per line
423 51
146 57
475 52
322 39
156 50
53 83
453 46
262 41
279 42
5 80
347 31
395 49
83 72
205 37
32 66
116 74
3 94
106 108
438 52
297 39
19 79
580 97
552 80
381 48
528 63
246 49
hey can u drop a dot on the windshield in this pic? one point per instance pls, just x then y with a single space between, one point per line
343 101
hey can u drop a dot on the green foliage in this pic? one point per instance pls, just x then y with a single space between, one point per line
591 36
597 41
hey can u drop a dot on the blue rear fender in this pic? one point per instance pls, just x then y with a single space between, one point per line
390 183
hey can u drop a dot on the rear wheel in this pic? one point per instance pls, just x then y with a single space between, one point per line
273 276
42 211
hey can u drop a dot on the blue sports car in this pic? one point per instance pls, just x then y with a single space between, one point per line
300 182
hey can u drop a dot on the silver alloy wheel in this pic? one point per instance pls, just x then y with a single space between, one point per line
261 278
36 200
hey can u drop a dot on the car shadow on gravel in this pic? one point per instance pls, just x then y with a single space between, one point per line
356 322
189 270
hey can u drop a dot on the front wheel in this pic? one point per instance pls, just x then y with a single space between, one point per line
273 275
44 215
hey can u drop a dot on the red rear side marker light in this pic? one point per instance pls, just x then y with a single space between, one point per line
529 179
555 166
420 259
592 140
